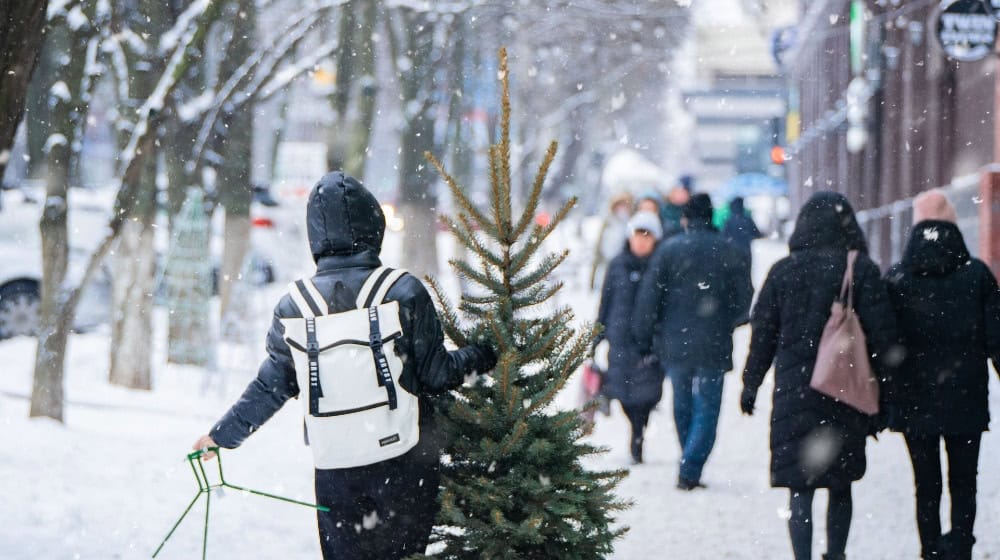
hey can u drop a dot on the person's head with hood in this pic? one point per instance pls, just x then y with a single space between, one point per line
936 245
343 218
827 221
736 206
620 205
698 211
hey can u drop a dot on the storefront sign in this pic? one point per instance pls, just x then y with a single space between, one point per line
967 30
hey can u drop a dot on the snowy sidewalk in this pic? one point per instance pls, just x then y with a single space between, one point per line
110 482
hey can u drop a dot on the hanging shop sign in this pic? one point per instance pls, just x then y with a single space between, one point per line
967 29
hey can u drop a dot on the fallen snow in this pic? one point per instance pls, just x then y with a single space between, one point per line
112 480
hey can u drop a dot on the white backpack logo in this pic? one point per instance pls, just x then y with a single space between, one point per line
356 411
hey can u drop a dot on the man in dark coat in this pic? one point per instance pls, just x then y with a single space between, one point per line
633 378
345 227
740 229
948 310
696 292
816 442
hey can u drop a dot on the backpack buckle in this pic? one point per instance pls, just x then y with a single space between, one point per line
312 347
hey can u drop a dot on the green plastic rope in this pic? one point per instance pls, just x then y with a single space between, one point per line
205 488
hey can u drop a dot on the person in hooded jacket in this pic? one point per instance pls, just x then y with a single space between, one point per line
816 442
345 229
634 379
948 310
696 292
740 229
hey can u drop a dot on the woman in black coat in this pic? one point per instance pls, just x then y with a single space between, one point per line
816 442
948 311
632 378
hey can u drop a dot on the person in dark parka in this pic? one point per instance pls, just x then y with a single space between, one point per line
696 292
633 378
948 310
816 442
740 229
345 228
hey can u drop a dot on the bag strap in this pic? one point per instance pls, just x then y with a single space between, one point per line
847 284
370 286
312 351
301 297
381 362
384 286
377 286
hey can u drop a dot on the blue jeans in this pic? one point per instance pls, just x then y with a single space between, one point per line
697 399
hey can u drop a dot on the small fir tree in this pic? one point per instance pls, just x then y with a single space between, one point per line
514 486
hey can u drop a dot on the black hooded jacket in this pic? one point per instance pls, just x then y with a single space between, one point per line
345 227
948 309
788 319
695 292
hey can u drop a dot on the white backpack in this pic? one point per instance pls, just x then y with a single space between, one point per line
356 412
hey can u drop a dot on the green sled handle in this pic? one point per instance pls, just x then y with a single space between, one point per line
205 489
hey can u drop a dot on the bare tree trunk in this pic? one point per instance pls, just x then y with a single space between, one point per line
23 24
56 308
364 47
417 200
53 328
234 184
133 283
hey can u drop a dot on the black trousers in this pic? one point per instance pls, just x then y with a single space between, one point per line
383 511
638 417
963 466
838 521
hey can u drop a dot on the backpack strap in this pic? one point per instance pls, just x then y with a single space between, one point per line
381 362
312 352
370 285
383 288
301 297
317 297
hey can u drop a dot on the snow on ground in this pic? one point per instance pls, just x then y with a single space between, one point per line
112 480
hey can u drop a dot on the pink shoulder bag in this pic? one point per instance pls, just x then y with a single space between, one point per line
843 371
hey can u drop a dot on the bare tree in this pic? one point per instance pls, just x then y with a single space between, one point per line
59 298
23 23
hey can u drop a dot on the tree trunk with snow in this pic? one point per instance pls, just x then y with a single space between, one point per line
133 282
55 310
23 23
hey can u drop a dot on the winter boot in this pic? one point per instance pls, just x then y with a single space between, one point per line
956 547
834 557
636 449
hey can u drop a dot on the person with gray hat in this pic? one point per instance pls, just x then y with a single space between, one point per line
632 377
696 292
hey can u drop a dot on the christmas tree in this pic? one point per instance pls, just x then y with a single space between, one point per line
514 485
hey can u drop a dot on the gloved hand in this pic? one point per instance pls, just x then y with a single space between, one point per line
601 352
487 358
747 399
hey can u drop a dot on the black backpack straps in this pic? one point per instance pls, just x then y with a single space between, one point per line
381 362
377 287
312 351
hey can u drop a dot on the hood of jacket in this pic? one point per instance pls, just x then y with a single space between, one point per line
936 247
343 218
827 221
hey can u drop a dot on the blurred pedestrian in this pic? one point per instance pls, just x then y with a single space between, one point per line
696 292
816 442
614 231
649 201
632 377
948 310
672 210
739 228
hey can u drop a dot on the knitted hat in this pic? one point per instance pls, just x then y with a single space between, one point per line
933 205
646 221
